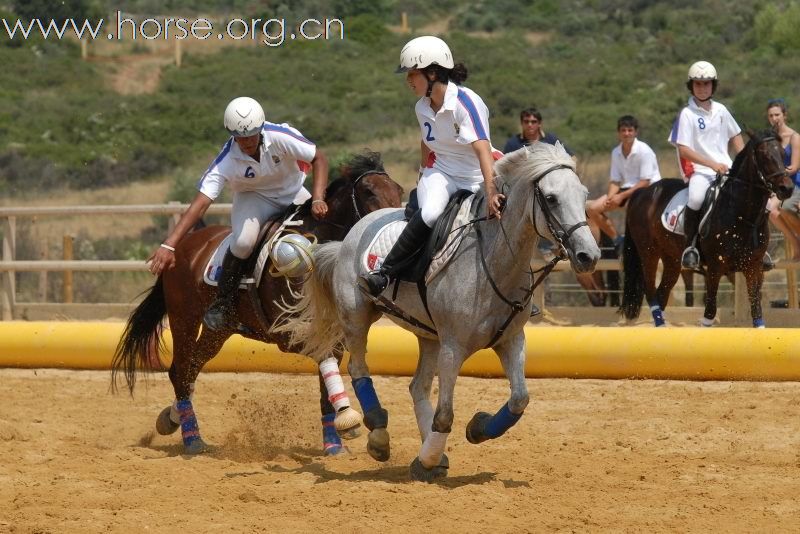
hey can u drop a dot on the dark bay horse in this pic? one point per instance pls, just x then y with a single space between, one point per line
182 295
734 239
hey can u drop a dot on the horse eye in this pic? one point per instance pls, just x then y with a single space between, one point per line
551 199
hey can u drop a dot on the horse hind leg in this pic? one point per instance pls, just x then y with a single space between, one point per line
376 418
649 270
189 357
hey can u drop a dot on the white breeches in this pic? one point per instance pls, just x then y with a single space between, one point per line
698 185
434 190
251 209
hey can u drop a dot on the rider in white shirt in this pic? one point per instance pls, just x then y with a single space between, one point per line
456 151
265 165
702 133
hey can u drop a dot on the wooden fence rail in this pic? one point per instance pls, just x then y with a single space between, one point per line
9 266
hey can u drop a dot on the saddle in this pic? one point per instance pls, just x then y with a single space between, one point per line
259 258
672 216
444 240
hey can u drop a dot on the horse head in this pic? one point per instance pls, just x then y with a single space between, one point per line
767 158
544 177
364 187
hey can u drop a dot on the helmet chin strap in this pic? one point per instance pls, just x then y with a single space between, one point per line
430 87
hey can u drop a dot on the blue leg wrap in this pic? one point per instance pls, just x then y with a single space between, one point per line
658 315
500 422
365 392
331 443
190 431
758 323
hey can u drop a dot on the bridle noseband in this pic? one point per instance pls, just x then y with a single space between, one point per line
353 190
555 227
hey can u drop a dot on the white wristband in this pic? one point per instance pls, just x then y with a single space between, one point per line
318 200
164 245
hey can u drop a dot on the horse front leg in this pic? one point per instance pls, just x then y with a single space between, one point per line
331 439
420 389
485 426
425 466
755 278
712 285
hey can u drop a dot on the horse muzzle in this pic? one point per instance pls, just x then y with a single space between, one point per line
785 190
584 259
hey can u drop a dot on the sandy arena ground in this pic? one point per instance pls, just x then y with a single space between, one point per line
588 455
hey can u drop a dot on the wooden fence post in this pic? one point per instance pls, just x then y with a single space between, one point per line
9 277
68 256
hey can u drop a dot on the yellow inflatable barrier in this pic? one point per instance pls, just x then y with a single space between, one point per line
573 352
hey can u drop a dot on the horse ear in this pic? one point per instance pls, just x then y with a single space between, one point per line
749 131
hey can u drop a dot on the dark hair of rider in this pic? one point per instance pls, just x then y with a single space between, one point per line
628 121
530 112
458 74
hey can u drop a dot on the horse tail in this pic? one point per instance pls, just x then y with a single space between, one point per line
633 283
142 338
312 321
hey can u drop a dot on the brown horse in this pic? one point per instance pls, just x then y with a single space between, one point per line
734 239
182 295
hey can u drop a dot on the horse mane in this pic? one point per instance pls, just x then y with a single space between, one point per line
532 161
357 165
755 137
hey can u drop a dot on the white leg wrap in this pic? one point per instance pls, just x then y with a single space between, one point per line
333 383
173 411
432 449
424 412
706 322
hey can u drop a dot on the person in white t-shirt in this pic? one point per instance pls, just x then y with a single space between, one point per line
633 166
456 150
265 165
703 133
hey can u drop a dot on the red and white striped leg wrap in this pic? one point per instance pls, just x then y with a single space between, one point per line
333 383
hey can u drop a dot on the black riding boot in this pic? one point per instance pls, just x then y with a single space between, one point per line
218 315
411 239
691 256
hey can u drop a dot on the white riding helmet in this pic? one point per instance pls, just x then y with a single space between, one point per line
243 117
703 71
424 51
291 256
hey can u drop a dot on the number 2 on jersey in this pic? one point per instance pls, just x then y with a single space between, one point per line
428 136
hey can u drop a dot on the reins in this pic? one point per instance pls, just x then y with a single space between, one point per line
558 232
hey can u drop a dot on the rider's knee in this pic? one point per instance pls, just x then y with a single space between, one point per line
242 245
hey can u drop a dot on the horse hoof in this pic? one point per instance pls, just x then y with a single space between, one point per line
353 433
420 473
197 446
164 424
346 420
336 450
475 427
378 444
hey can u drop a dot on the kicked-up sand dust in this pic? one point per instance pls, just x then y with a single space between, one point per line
588 455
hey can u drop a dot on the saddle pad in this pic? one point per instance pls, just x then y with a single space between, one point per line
214 266
672 217
386 237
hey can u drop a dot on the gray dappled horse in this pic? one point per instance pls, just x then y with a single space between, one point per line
480 300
